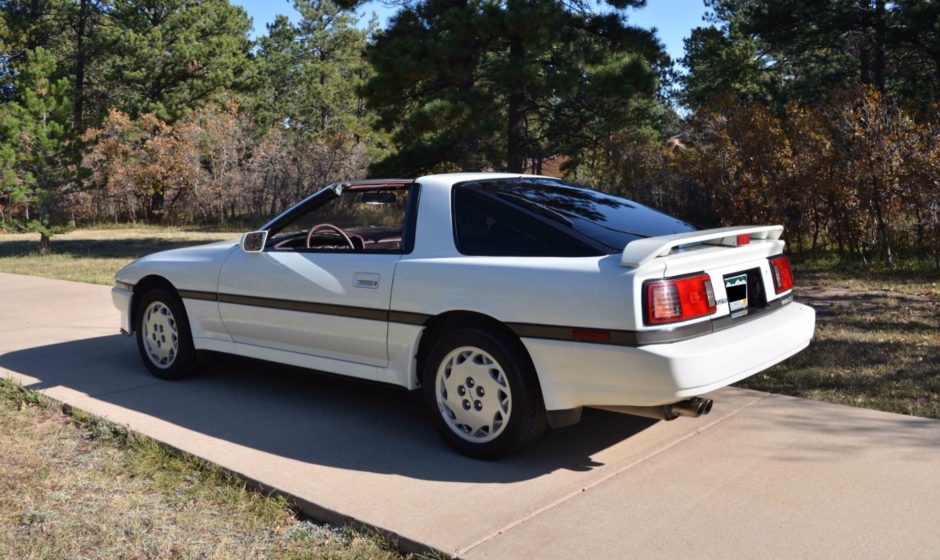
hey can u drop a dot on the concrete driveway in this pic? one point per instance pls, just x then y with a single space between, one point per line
762 476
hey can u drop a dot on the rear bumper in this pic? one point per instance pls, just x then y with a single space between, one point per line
574 374
122 301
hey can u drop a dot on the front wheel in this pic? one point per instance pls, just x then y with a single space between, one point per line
483 393
163 336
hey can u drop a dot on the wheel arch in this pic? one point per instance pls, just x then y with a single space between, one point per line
438 325
143 286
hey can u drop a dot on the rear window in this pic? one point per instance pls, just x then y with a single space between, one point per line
486 226
609 221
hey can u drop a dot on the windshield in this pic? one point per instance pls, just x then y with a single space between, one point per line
609 220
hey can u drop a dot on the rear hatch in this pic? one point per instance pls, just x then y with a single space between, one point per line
725 276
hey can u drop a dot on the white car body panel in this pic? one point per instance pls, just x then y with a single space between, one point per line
536 290
298 359
323 279
574 374
375 333
121 298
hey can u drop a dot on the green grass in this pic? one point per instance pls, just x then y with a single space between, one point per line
877 342
76 486
94 255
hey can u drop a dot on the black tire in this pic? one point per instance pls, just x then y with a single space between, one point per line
183 363
527 419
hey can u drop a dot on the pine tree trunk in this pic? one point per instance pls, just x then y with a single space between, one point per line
36 9
864 52
156 206
45 244
80 65
879 69
515 156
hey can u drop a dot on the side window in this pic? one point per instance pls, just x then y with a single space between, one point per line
356 220
487 227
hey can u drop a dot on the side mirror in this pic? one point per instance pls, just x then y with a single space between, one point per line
254 241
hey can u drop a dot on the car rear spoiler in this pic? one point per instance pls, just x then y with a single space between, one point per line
641 251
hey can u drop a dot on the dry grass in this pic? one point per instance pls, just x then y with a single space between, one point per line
94 255
877 341
74 486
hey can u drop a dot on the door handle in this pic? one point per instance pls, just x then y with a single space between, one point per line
366 280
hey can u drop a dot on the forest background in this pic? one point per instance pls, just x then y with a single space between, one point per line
819 115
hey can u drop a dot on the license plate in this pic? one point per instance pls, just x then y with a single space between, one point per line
736 288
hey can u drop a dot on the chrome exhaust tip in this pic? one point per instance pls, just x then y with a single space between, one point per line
693 407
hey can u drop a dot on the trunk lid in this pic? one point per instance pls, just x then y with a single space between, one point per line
735 258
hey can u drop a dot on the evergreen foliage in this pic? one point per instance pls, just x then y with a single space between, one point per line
797 51
483 84
36 156
821 115
169 56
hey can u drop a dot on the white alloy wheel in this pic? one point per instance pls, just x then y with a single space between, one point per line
160 335
473 394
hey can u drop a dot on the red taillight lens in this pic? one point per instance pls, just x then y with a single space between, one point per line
780 270
668 301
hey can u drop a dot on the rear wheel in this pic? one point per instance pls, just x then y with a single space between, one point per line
163 336
482 391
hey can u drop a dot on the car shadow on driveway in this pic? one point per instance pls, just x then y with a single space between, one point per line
306 416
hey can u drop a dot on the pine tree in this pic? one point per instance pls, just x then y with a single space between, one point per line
787 51
331 49
310 73
275 82
171 56
36 155
487 84
24 26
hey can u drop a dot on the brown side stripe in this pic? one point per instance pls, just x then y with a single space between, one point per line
307 307
522 330
193 294
407 317
642 338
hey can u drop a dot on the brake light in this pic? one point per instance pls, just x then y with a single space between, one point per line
668 301
782 275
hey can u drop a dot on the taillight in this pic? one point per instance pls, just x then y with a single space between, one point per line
782 275
668 301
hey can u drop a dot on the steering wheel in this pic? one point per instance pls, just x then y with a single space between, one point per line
321 227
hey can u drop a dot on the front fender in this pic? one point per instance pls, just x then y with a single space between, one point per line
190 268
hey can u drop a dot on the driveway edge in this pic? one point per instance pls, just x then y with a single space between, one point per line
311 510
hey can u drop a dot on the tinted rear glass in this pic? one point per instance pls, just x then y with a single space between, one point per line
609 220
486 226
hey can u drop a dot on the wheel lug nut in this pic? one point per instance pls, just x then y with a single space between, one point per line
470 382
466 404
478 405
480 391
461 390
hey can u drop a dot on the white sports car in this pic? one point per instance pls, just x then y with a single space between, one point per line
512 300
